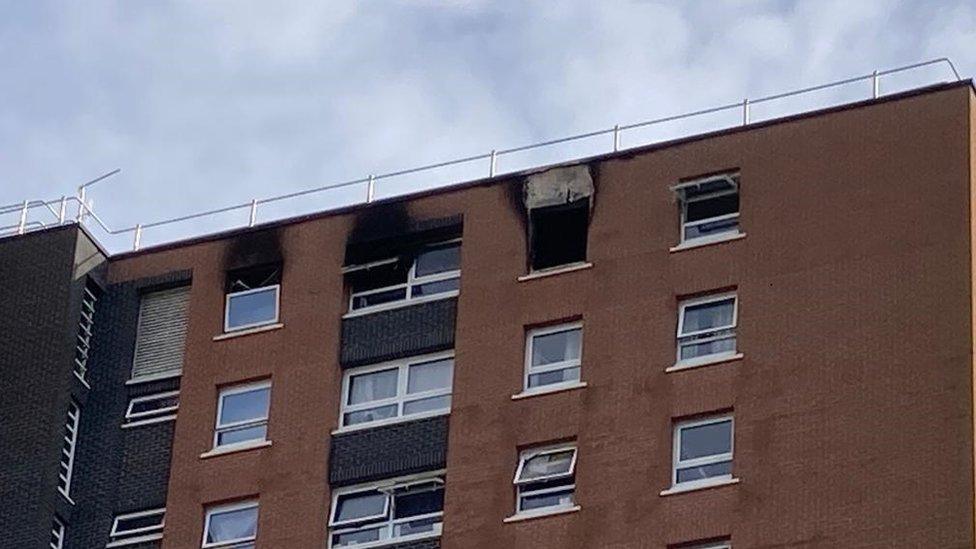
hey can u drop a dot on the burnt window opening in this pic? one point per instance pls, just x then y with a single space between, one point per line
429 271
558 234
250 278
252 297
709 208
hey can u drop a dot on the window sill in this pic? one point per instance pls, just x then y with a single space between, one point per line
708 241
553 271
396 541
699 486
519 517
400 304
549 390
154 377
705 361
249 331
243 447
133 541
385 422
141 423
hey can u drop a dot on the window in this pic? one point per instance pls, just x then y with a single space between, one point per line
232 526
709 208
545 480
702 451
435 271
552 356
86 321
706 328
557 234
415 387
138 527
242 414
161 335
68 445
396 511
57 534
252 297
152 408
725 544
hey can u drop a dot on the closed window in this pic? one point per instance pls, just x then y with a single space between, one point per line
242 414
709 208
137 527
57 534
232 526
706 328
152 408
702 451
393 511
69 444
161 336
434 271
414 387
86 323
545 480
252 297
552 356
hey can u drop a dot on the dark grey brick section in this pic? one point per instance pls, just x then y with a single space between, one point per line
388 451
398 333
119 470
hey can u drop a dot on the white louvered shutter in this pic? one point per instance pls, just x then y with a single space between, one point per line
161 335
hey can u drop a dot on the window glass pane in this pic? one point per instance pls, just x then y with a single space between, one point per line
556 347
556 376
432 288
418 502
689 474
438 260
416 526
427 405
379 298
706 440
231 525
138 523
359 536
373 386
694 349
729 225
556 463
705 316
233 436
359 505
380 276
153 404
373 414
245 406
552 499
428 376
712 207
252 308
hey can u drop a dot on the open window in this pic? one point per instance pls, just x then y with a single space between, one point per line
558 203
709 208
545 480
139 527
398 510
433 271
155 408
252 297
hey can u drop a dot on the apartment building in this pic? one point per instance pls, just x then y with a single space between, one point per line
755 338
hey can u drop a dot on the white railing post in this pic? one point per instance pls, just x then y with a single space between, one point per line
81 204
493 165
371 189
254 213
22 226
616 138
875 85
137 237
745 111
61 209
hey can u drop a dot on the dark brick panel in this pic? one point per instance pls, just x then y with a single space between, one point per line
398 333
388 451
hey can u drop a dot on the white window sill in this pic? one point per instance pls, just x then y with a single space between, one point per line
135 540
142 422
553 271
702 485
390 421
249 331
561 388
153 377
704 361
519 517
235 448
400 304
395 541
706 241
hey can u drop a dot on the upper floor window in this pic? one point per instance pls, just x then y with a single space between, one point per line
395 511
434 271
709 208
706 328
137 527
413 387
552 356
252 297
545 480
558 234
161 334
86 322
232 526
69 444
152 408
242 414
702 451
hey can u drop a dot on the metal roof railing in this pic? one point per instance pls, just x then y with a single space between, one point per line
55 211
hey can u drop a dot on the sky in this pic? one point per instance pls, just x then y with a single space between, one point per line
206 104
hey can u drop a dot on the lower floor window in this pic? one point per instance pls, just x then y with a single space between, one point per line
397 510
136 527
702 451
545 479
231 526
57 534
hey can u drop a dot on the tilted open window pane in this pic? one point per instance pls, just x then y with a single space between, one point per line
709 207
545 479
231 526
393 512
138 524
706 327
703 450
435 270
553 355
243 414
414 386
153 407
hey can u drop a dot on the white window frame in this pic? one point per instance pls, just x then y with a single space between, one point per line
135 419
566 364
220 509
726 544
57 534
677 463
412 281
227 299
86 325
520 494
403 366
733 179
389 523
137 535
682 338
71 426
234 390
